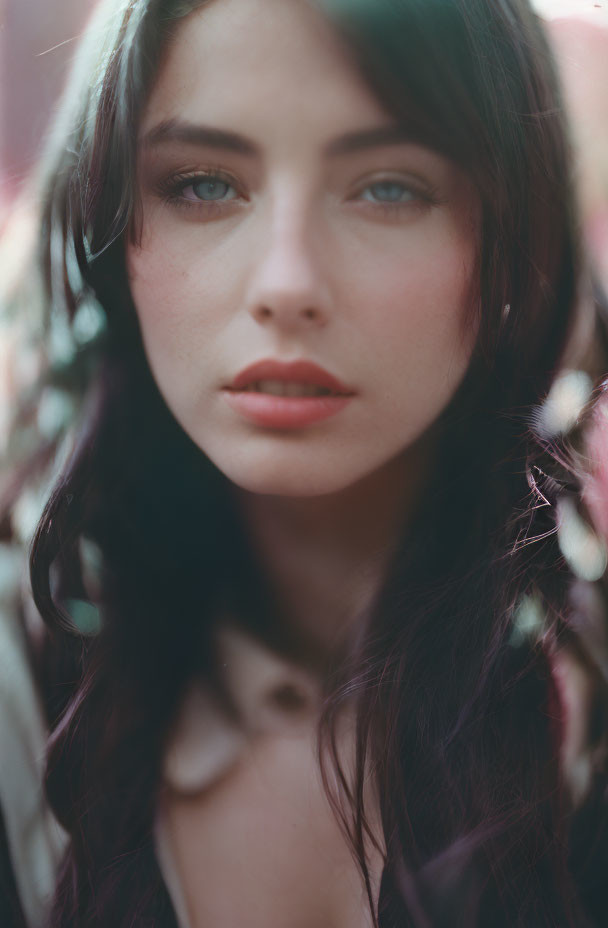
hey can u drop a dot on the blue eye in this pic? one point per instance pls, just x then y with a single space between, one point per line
209 189
208 194
388 191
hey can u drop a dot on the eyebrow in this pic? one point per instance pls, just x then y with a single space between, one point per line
172 131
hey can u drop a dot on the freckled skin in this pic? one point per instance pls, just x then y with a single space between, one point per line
360 263
301 258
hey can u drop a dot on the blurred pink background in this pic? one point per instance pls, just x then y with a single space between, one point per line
37 42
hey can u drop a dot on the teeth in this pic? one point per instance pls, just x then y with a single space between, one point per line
284 388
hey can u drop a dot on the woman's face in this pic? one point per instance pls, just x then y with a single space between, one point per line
284 219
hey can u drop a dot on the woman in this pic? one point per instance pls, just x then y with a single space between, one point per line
312 487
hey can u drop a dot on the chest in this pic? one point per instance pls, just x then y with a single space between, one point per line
262 846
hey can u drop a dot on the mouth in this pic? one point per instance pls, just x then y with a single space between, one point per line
287 388
295 379
274 394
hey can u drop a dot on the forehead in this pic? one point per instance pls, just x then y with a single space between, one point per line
252 61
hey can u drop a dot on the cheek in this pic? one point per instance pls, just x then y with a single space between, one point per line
417 302
165 305
179 298
156 281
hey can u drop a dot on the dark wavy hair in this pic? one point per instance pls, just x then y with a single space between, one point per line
458 717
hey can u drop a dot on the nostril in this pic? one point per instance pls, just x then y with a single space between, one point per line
287 313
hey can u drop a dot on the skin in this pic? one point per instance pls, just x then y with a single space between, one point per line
301 257
358 260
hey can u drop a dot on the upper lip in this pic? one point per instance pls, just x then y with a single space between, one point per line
290 372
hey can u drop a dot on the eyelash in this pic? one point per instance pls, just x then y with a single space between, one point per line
420 197
172 191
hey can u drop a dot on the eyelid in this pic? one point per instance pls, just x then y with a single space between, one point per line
416 185
172 186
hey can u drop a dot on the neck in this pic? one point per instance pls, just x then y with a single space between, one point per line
326 556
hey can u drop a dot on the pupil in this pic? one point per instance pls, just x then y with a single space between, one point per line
388 190
210 189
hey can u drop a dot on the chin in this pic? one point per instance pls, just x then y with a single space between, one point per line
288 485
289 479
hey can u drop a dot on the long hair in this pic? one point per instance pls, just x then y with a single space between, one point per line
458 717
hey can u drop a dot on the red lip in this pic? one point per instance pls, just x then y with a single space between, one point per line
290 372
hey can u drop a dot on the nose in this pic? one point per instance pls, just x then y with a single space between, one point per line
288 287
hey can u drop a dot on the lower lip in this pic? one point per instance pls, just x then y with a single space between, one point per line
284 412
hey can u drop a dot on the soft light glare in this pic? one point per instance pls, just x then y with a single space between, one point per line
564 404
55 411
582 548
89 322
528 621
